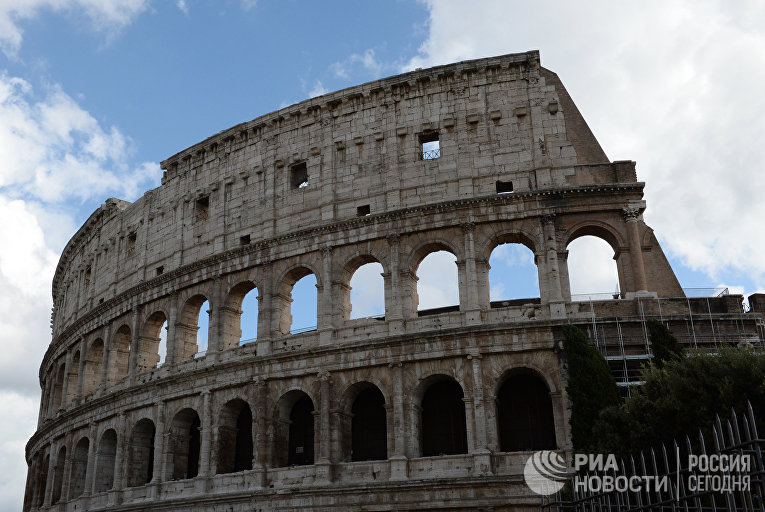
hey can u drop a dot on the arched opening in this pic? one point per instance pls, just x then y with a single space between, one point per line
369 431
120 354
79 468
294 422
367 292
74 378
151 344
592 271
58 475
192 328
297 302
240 315
105 457
443 419
58 388
525 414
91 377
140 460
235 438
38 496
185 443
437 283
513 275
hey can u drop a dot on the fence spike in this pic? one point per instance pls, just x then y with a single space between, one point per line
734 419
750 411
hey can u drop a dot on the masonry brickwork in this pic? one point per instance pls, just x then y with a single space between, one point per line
404 412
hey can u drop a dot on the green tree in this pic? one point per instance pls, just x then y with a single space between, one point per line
683 397
591 388
663 343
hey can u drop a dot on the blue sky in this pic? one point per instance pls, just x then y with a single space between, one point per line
94 94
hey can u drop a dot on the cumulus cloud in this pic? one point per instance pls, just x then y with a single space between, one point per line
19 414
365 62
367 291
685 102
105 16
181 4
437 284
318 90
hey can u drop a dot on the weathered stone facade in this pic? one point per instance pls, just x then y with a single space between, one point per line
321 188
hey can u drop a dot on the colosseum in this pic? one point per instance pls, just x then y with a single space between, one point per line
413 409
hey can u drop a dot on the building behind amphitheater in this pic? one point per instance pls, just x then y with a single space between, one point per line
412 410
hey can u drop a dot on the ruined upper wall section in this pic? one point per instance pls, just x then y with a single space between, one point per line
502 123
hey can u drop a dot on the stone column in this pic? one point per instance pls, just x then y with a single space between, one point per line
554 292
264 323
215 326
67 477
171 347
135 345
159 445
399 465
393 296
326 307
260 434
205 449
90 470
48 493
119 462
631 217
324 464
65 385
469 295
481 452
106 359
81 369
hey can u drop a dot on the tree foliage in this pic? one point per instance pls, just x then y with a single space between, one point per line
681 397
591 388
663 343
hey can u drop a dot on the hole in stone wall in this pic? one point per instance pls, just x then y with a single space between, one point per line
430 146
202 208
132 237
299 175
504 187
244 240
362 211
160 270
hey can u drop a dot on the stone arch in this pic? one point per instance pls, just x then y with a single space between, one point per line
442 426
363 423
94 359
515 238
232 312
608 234
58 475
73 380
294 430
418 254
525 416
347 274
187 328
105 460
39 481
140 453
184 445
119 357
235 441
149 342
79 469
59 387
283 298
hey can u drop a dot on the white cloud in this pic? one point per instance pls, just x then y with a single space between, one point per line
367 291
437 283
318 90
591 266
249 4
366 62
675 86
106 16
181 4
19 421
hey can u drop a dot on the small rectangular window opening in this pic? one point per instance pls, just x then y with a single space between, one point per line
131 242
431 147
363 211
244 240
504 187
202 208
299 175
160 270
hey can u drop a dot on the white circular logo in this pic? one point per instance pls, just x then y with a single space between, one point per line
545 472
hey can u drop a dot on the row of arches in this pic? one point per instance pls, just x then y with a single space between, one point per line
524 413
137 347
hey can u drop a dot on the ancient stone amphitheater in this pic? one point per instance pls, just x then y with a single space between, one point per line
416 409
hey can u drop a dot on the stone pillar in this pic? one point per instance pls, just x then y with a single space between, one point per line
91 466
67 477
393 292
264 323
631 217
81 369
135 344
554 291
48 493
106 358
159 445
469 295
205 433
171 354
399 465
324 298
215 326
119 462
481 452
324 464
260 434
65 385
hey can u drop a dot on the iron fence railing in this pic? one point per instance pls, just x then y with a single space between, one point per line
718 471
430 155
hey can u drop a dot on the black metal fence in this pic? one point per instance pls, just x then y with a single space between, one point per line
721 471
